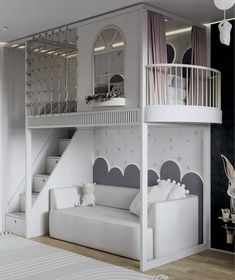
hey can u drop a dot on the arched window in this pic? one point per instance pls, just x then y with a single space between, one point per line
109 62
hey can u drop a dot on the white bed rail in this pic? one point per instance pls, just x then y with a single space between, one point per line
183 84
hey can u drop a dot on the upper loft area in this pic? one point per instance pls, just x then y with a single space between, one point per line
105 70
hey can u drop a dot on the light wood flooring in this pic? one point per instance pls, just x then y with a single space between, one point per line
208 265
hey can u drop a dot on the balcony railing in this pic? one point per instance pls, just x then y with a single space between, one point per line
182 84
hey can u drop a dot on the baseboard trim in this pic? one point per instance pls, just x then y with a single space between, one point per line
222 251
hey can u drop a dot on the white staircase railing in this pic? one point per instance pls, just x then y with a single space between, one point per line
182 84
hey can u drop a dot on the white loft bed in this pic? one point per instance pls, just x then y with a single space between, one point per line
44 111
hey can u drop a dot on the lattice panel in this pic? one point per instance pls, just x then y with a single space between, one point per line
51 77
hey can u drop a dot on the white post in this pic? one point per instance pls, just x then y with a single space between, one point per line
28 157
2 138
144 143
28 137
206 167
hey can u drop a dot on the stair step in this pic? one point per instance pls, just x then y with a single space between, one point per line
22 200
39 180
63 144
19 214
51 163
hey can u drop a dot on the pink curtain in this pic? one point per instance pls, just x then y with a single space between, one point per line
156 54
199 57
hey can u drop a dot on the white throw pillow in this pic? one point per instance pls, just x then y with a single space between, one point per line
135 204
178 192
156 193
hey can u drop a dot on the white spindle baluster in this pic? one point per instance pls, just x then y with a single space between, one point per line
187 86
176 86
206 104
181 80
202 88
197 73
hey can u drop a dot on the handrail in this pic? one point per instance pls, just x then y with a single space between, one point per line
182 66
183 84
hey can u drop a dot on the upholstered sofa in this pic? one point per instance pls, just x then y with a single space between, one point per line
110 227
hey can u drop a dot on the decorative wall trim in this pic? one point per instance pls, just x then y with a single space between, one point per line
114 176
86 119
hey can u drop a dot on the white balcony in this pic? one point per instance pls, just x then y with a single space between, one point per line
178 93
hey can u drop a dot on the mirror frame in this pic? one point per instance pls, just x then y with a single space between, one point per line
118 29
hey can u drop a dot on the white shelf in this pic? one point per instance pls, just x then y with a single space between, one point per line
114 102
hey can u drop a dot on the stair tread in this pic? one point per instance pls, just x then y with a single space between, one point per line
41 175
64 139
35 194
56 157
18 214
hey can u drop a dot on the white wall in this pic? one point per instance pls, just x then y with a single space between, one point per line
129 23
15 140
121 146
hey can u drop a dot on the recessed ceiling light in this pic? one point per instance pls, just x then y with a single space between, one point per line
166 19
178 31
5 28
3 43
14 46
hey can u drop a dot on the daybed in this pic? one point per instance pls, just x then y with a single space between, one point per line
110 227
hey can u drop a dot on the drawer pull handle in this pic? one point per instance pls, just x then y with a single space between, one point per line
15 221
43 180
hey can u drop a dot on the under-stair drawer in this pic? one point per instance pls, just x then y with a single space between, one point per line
38 182
51 163
16 225
63 144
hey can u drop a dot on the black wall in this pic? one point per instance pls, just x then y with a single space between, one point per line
222 58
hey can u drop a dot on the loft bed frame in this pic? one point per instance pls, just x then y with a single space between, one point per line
44 111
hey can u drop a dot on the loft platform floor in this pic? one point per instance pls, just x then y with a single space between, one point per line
207 265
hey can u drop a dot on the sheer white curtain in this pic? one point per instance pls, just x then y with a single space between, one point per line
156 54
199 57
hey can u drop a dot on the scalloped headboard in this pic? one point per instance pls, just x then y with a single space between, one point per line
131 178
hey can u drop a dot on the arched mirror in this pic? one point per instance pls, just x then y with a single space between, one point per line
109 62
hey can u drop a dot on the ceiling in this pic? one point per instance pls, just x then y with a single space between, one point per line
26 17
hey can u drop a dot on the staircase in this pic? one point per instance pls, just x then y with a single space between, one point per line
15 221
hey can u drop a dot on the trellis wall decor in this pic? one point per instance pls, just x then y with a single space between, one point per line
51 76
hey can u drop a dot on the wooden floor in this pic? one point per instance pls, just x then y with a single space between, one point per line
208 265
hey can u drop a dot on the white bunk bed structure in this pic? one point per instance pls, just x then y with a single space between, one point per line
55 98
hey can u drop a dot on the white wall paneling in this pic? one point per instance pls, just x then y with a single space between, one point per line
14 144
87 119
87 33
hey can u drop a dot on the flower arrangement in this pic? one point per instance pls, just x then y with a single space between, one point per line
102 97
